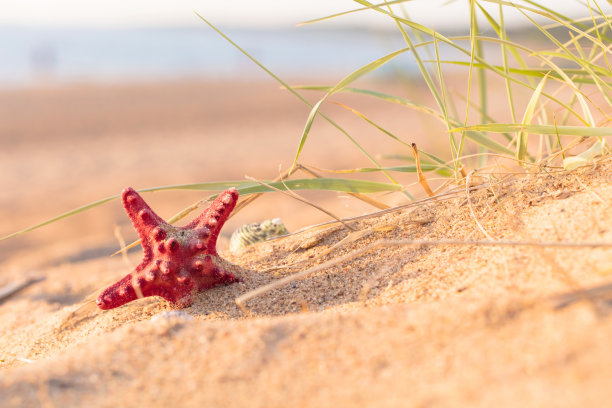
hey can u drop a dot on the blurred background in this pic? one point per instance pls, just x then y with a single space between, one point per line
98 96
117 41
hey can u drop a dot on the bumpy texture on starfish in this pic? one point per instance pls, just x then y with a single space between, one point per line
178 261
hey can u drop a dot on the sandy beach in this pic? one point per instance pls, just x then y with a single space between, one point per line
385 326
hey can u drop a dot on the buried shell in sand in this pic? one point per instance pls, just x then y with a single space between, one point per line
250 234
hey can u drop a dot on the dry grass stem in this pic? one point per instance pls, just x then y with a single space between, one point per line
124 249
448 195
242 203
294 195
248 200
362 197
469 202
421 176
350 237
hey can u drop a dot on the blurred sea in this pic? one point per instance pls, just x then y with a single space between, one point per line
31 56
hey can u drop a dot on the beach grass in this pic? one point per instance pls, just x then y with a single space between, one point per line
563 124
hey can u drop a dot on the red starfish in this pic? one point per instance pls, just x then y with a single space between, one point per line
177 260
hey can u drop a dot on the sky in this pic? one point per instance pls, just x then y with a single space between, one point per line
233 13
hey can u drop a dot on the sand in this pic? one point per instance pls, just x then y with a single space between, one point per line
383 326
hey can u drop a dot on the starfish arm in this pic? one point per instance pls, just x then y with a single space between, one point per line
214 271
215 216
138 285
143 218
118 294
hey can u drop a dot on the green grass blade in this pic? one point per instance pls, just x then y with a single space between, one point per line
409 23
585 157
502 34
61 216
487 118
422 68
296 94
426 167
477 137
353 76
562 17
482 80
549 96
339 86
535 72
522 136
380 95
577 60
323 183
499 71
541 129
344 13
599 35
445 172
374 124
483 140
485 63
244 187
547 13
500 29
477 50
453 143
434 159
307 127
